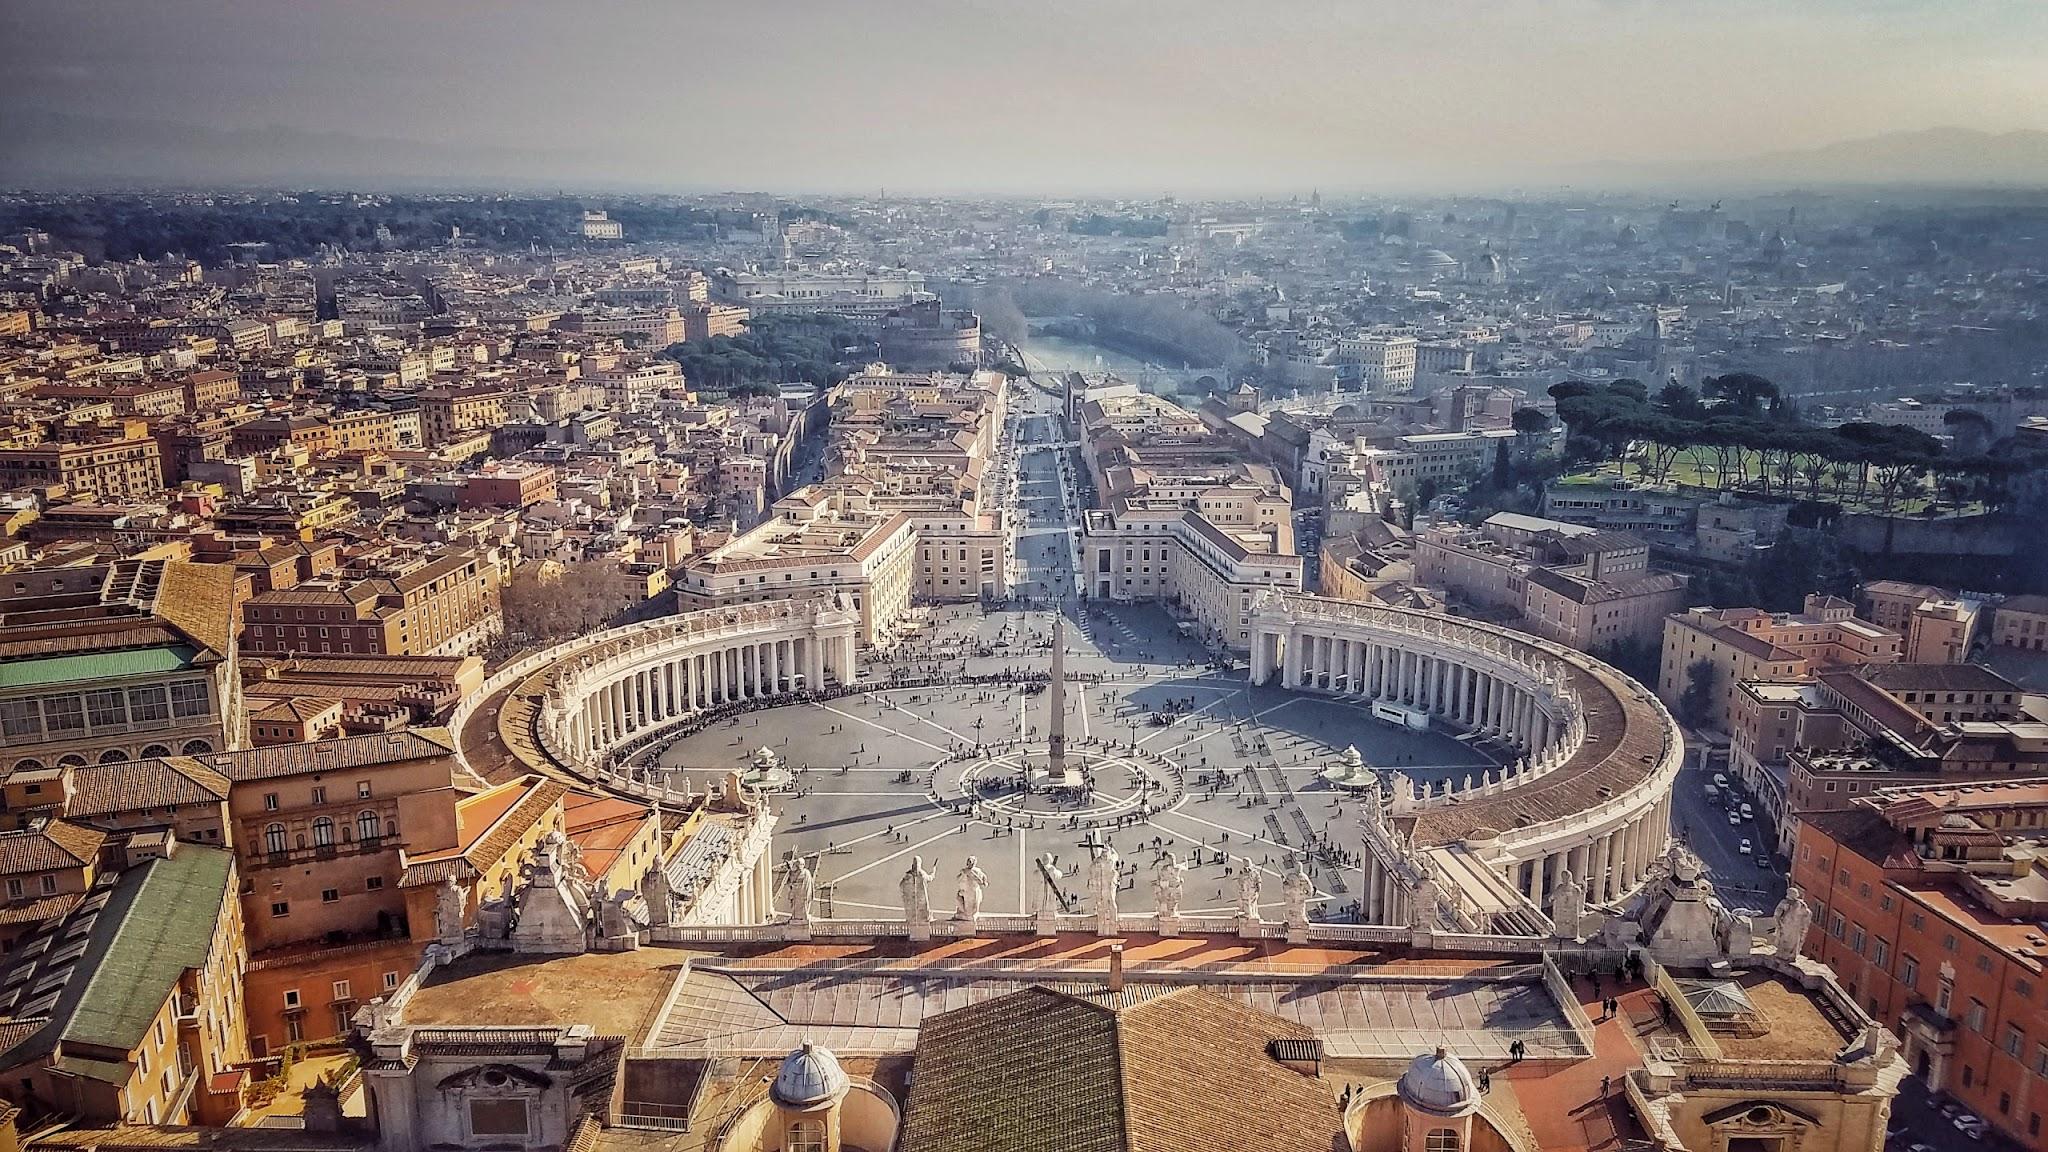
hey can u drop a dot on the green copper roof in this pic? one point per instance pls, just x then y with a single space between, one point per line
95 666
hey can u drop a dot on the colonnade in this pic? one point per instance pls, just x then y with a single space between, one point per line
1606 863
1507 686
1467 690
676 686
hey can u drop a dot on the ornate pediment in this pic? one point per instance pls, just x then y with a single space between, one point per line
1759 1115
507 1078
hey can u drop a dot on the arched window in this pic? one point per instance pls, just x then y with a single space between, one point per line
71 760
197 747
29 765
805 1136
155 751
1441 1140
273 839
113 756
366 826
323 832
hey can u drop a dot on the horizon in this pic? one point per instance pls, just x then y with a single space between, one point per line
1119 100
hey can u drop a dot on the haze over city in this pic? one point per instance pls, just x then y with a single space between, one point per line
955 576
1192 97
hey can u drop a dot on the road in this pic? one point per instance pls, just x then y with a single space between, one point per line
1736 876
1042 499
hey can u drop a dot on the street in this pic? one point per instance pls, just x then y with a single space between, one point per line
1739 878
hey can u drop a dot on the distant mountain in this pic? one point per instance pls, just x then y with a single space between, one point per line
1941 156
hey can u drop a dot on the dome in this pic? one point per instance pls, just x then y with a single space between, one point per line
809 1076
1439 1084
1435 258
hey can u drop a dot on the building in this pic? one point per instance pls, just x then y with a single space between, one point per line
1737 644
1929 905
128 1010
126 467
814 544
2021 622
1939 626
1385 364
702 321
598 225
446 605
117 662
925 336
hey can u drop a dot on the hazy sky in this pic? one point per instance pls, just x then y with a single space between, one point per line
1039 94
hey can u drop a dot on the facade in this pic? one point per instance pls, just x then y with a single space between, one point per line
1929 903
444 606
143 1023
2021 622
1749 644
127 467
1161 550
117 662
924 335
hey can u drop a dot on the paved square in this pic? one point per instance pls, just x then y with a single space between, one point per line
1180 757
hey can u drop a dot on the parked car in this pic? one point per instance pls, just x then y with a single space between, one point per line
1748 813
1720 779
1734 819
1743 847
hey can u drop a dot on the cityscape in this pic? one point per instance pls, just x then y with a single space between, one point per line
614 579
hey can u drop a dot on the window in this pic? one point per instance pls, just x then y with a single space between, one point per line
373 884
805 1136
341 990
1917 921
273 839
508 1118
390 981
20 718
319 794
330 895
1984 963
1974 1018
291 998
366 826
1880 952
63 714
362 789
2014 1040
189 699
1441 1140
49 883
323 833
148 705
1909 971
270 801
106 708
280 907
14 890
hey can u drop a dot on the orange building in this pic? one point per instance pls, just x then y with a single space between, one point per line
1929 903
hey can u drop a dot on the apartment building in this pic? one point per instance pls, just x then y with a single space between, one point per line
115 468
1930 902
1441 459
1750 644
443 605
449 415
1582 587
1385 364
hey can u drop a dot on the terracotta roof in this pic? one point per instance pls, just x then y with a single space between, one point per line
1046 1070
329 755
51 847
489 825
100 789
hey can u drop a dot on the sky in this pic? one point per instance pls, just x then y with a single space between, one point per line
958 95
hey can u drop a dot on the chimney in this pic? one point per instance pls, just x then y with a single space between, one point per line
1116 967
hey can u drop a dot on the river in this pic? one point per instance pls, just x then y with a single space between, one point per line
1063 355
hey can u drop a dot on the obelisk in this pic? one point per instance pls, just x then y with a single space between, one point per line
1056 724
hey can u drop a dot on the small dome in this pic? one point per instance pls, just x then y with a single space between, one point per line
809 1076
1439 1084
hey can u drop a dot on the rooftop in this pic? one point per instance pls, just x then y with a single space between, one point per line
616 993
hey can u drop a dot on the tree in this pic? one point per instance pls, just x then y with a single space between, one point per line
1680 401
1696 703
547 604
1503 472
1528 423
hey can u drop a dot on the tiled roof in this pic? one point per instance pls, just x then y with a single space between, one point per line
101 789
329 755
49 847
488 833
1937 677
1043 1070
